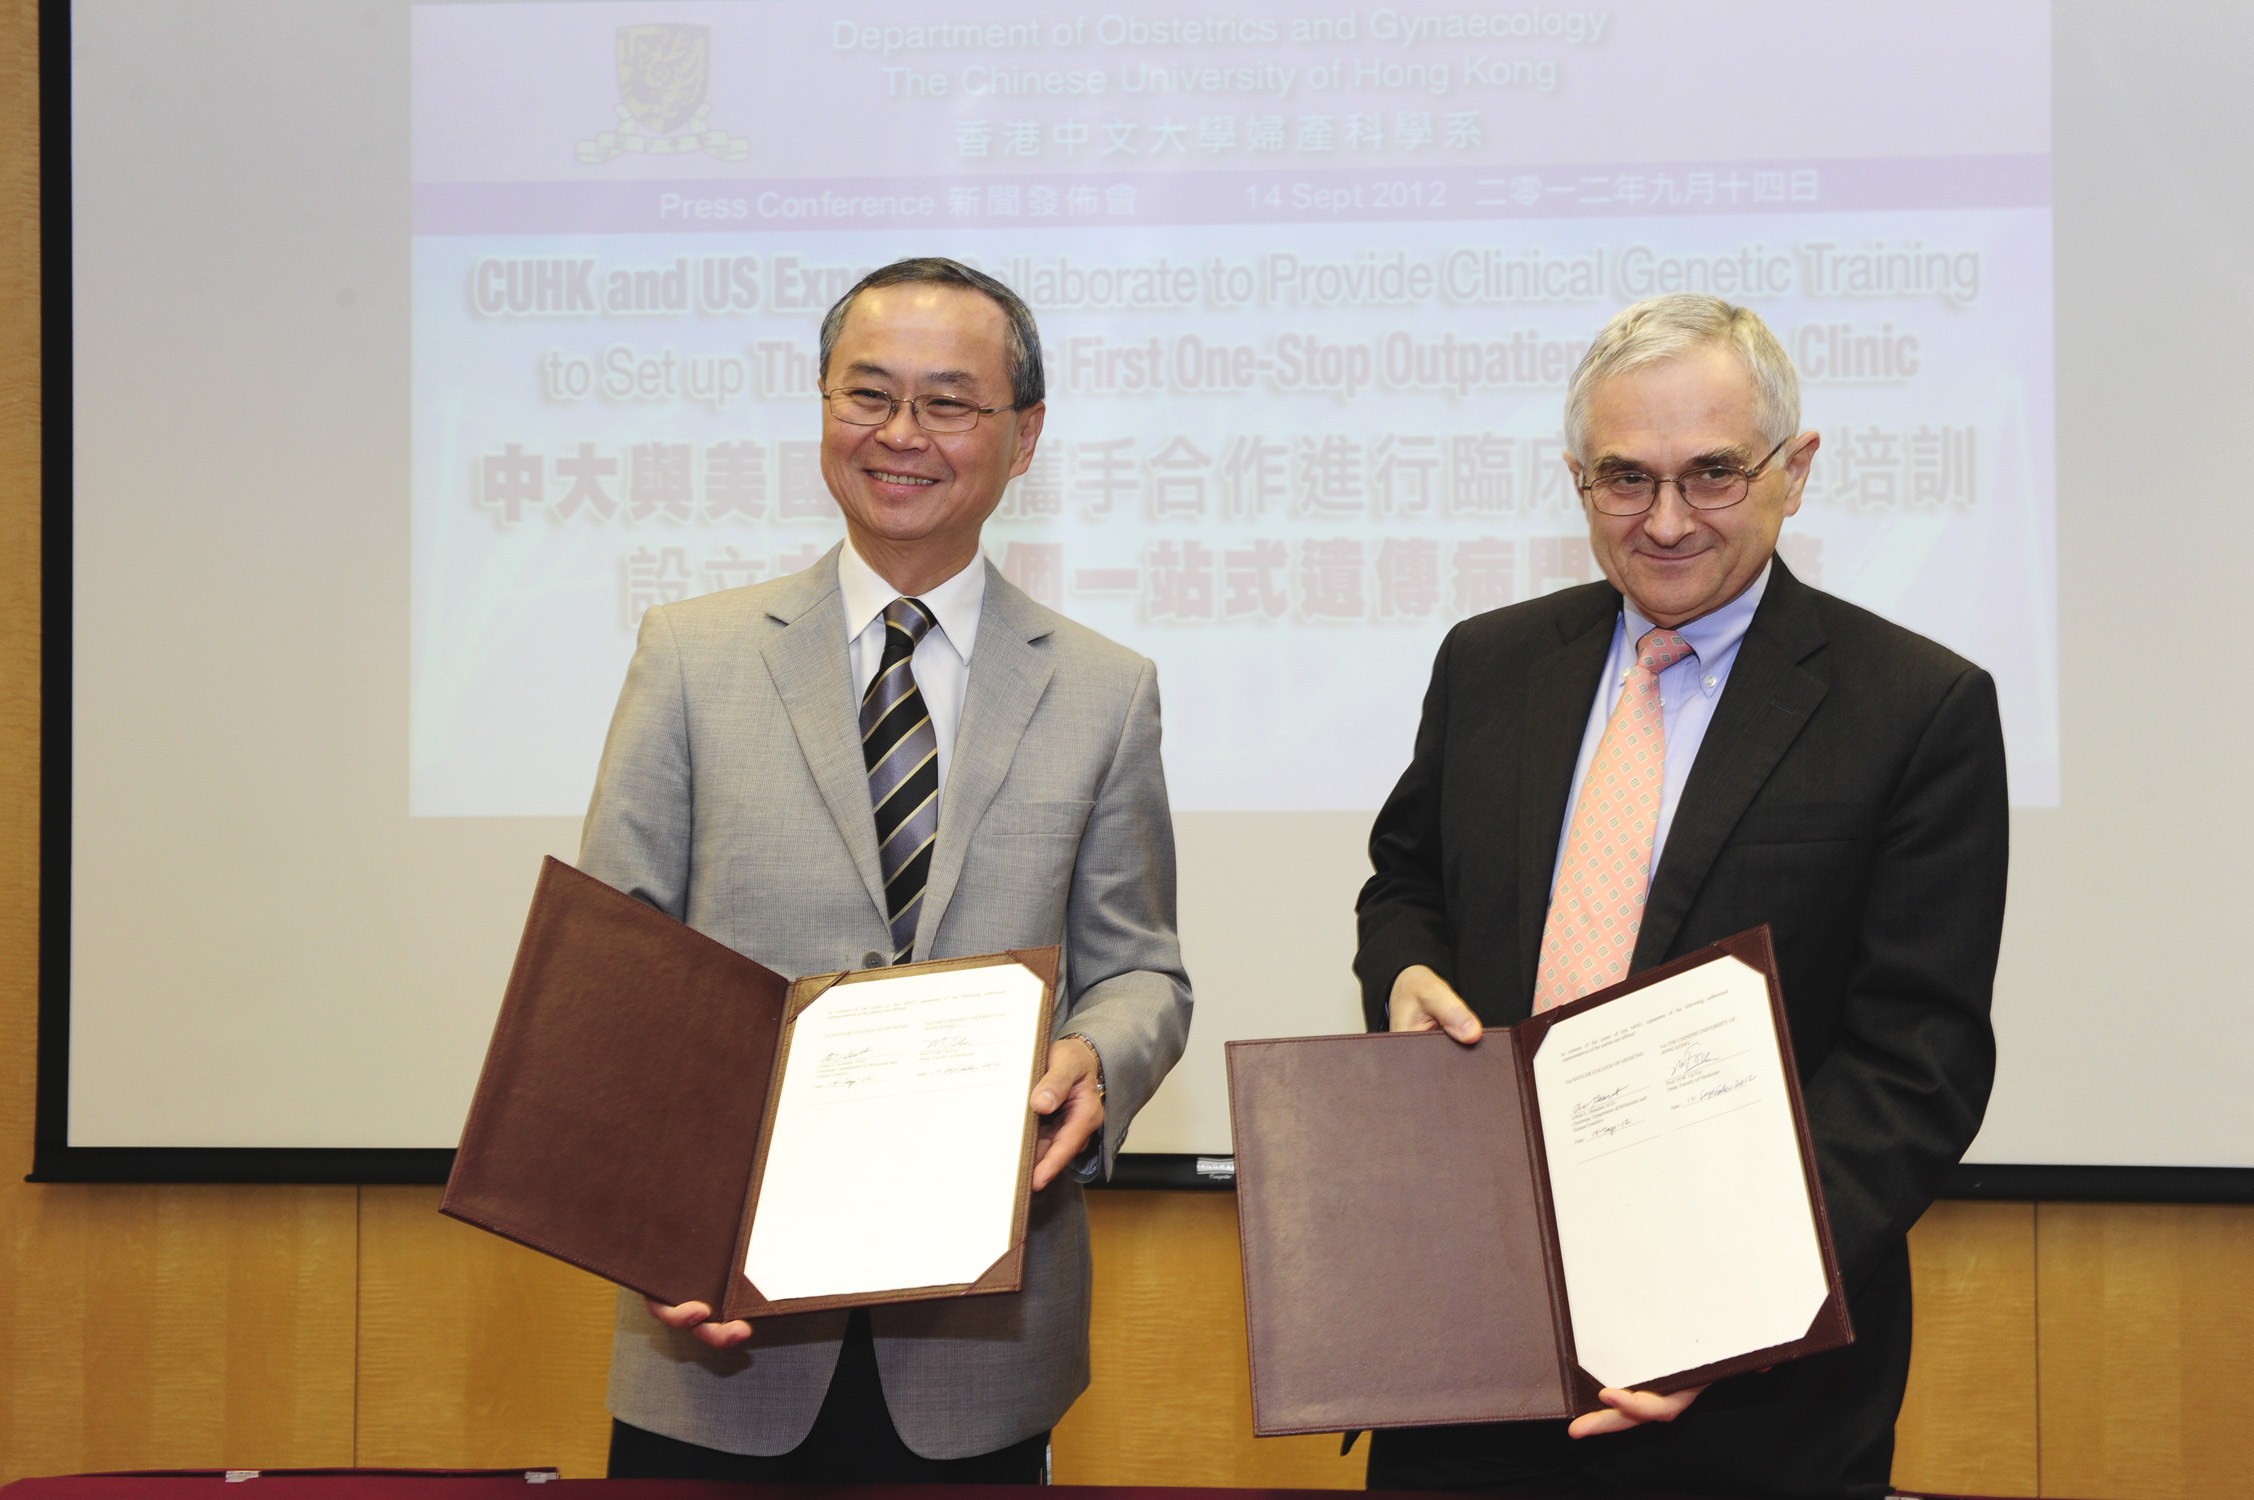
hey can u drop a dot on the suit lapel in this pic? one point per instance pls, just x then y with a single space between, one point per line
1008 675
1559 690
1763 709
808 663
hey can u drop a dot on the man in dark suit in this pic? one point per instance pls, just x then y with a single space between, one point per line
1614 775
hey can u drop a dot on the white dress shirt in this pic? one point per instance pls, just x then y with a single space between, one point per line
942 668
942 659
1688 691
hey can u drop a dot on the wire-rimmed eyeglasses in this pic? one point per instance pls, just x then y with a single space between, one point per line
1631 492
859 406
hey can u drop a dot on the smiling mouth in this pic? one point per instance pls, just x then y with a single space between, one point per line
882 476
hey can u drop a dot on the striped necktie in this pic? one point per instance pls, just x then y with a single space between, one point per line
1589 939
902 752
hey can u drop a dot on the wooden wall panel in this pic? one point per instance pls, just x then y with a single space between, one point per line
181 1326
2147 1330
1170 1395
1968 1423
475 1352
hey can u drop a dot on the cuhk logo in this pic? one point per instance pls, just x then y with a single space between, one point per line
662 72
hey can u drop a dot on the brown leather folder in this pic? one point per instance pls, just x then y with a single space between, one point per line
1401 1255
623 1114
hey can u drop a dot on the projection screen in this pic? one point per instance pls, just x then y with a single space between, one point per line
421 349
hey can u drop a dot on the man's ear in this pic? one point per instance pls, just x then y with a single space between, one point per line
1800 459
1028 434
1581 496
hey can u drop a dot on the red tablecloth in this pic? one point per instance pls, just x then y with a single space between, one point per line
429 1484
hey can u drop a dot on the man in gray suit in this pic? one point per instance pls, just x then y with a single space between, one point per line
897 754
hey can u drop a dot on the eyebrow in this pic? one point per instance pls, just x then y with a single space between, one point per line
958 379
1732 457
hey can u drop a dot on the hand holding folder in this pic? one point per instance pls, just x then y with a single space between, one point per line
662 1111
1623 1196
1069 1100
1071 1110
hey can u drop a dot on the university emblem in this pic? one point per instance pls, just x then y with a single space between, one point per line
662 110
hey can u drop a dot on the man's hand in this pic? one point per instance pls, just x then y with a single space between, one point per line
1423 1001
1065 1098
1626 1409
697 1318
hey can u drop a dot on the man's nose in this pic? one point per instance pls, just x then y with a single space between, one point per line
1670 518
900 429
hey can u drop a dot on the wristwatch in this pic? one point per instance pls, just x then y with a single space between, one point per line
1089 1042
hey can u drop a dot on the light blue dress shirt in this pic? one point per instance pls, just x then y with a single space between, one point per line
1688 691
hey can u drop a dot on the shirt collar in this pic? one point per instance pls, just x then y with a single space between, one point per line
1713 636
956 603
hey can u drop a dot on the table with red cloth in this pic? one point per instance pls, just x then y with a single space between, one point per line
491 1484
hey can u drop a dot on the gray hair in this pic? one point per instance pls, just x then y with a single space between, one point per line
1028 383
1660 328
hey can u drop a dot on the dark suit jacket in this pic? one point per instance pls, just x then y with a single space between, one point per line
1849 792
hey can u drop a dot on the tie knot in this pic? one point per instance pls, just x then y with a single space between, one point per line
1660 649
912 617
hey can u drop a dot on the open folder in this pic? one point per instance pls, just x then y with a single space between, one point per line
1618 1192
665 1113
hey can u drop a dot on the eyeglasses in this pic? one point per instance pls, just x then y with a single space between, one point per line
858 406
1628 492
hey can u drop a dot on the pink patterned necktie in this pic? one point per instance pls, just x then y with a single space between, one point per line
1606 870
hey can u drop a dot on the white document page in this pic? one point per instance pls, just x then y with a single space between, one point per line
1682 1210
894 1158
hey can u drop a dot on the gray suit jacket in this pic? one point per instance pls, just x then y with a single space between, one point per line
732 795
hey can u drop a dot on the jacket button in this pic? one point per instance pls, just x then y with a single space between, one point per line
872 960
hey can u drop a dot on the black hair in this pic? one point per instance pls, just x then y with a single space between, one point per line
1028 382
